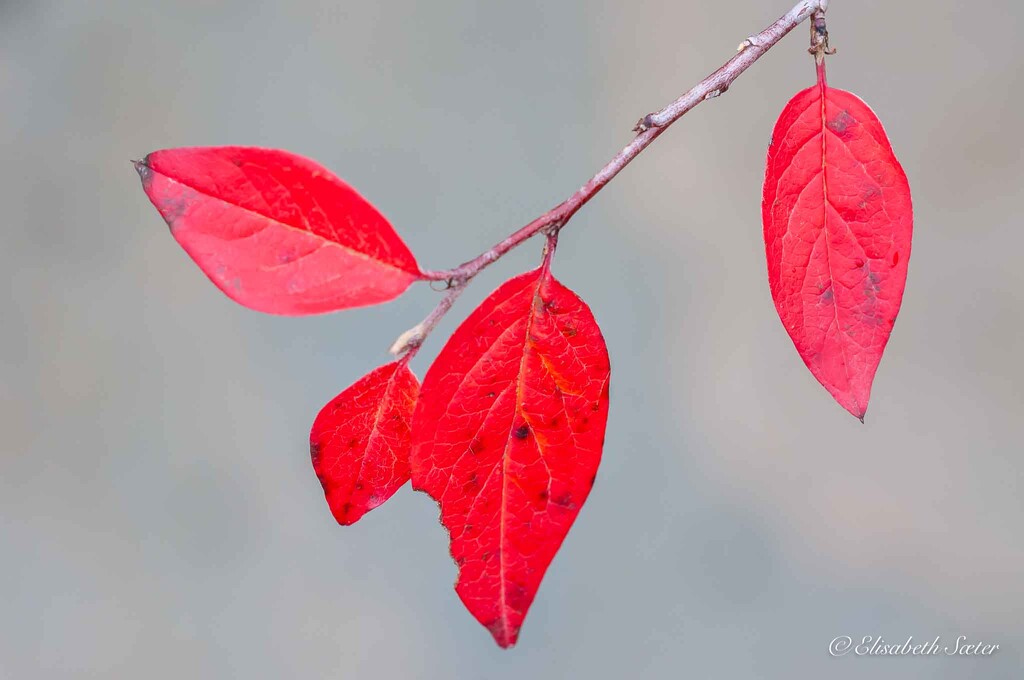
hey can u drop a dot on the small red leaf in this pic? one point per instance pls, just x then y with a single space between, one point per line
360 441
507 438
837 230
277 232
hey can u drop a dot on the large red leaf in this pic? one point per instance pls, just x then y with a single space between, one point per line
507 437
275 231
837 230
360 441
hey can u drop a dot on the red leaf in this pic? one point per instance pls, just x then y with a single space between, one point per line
837 230
360 441
277 232
507 438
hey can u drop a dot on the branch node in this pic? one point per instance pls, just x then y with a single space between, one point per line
751 41
411 339
717 92
819 35
645 124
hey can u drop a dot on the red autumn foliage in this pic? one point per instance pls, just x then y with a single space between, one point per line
360 441
507 438
837 230
275 231
507 431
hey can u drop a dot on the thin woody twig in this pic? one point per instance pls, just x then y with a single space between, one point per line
647 130
411 340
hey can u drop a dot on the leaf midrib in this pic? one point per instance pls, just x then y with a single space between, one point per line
348 249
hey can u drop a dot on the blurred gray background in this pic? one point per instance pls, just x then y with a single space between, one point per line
158 514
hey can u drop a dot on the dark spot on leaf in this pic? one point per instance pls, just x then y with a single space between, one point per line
593 478
476 446
522 432
569 331
858 263
554 421
314 452
516 596
353 443
871 285
171 208
840 122
459 561
359 486
826 295
543 495
486 557
564 500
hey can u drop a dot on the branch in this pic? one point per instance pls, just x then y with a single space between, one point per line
648 129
